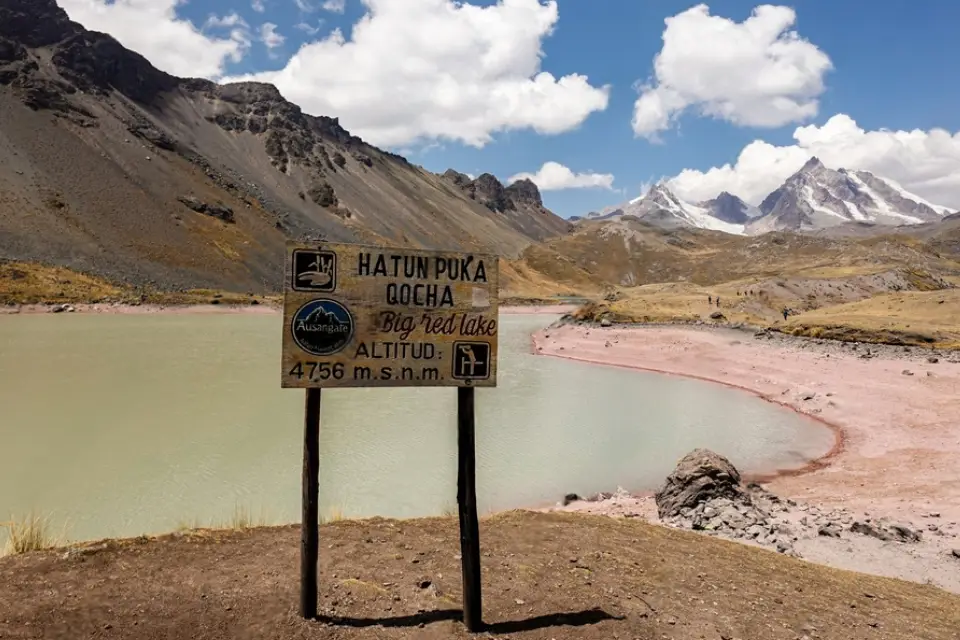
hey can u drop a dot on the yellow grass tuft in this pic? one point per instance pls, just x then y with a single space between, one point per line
29 534
333 514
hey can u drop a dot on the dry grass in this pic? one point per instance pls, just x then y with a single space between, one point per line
916 317
32 533
25 283
29 283
333 514
209 296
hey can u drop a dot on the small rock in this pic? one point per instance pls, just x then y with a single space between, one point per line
831 530
955 553
570 497
933 360
424 584
605 322
907 372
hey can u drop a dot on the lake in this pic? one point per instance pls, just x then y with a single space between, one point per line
119 425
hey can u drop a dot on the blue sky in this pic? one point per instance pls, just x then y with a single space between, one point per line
890 66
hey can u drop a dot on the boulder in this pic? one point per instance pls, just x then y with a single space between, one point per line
217 210
700 476
323 195
885 532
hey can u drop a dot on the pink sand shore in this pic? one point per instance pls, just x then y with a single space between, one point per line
900 434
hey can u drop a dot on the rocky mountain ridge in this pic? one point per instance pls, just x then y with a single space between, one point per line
812 199
111 166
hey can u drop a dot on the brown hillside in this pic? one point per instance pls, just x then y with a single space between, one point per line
113 168
629 253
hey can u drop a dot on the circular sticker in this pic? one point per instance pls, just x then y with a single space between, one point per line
322 327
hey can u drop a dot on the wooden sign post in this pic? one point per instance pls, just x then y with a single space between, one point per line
367 316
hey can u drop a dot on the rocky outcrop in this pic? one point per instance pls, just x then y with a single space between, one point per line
457 178
704 494
35 23
291 136
323 195
214 209
490 192
524 192
699 477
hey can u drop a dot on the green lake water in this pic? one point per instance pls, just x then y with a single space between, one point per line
118 425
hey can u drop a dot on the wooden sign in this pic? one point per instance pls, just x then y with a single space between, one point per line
364 316
367 316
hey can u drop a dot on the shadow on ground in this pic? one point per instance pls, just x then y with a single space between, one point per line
570 619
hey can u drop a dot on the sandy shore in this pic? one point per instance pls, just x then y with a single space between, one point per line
897 414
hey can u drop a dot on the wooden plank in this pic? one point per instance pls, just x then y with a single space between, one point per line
367 316
310 508
467 506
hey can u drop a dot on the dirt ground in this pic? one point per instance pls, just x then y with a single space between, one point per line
545 576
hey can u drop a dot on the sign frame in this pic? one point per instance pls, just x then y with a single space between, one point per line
359 315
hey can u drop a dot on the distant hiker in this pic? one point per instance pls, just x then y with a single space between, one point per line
738 292
718 302
710 300
786 312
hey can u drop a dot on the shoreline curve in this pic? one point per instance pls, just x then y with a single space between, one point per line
840 436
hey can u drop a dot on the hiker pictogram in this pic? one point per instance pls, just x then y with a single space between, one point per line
471 360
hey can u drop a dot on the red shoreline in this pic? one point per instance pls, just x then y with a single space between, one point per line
817 464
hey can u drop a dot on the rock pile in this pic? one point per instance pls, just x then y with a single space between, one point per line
704 493
699 477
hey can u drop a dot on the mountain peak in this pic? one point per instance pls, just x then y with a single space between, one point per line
812 164
726 196
35 23
660 187
525 190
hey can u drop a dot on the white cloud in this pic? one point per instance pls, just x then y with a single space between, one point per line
926 163
421 70
553 176
307 28
227 21
258 6
753 73
335 6
153 29
305 6
269 35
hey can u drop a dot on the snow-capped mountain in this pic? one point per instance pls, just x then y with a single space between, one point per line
730 208
816 197
662 207
813 198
